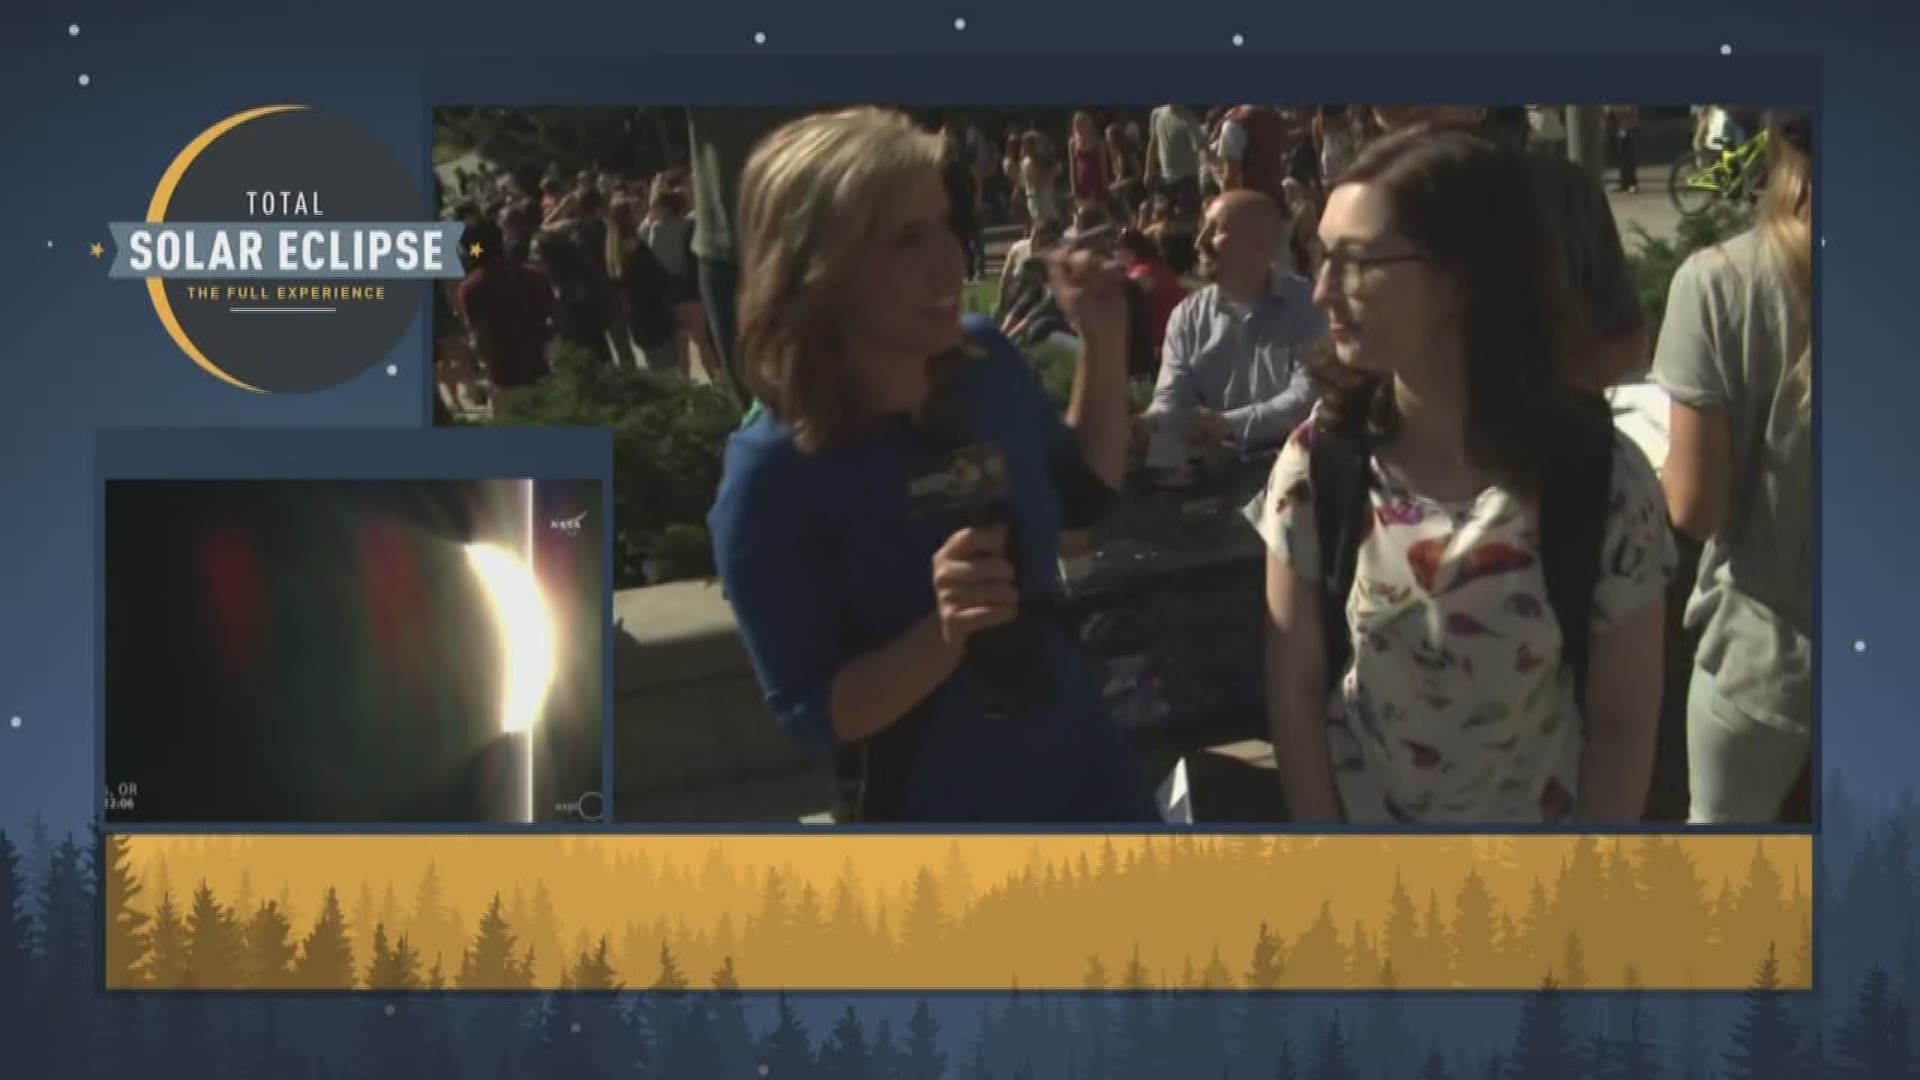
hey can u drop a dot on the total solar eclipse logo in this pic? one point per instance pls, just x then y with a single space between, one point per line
283 250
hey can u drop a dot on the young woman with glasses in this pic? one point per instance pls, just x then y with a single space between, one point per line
1452 339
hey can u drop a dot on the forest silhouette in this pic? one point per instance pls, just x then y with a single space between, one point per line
1190 912
661 1015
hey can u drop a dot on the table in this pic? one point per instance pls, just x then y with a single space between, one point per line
1172 609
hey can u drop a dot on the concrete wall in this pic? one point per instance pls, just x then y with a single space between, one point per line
693 740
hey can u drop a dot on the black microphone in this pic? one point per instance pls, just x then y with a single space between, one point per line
970 489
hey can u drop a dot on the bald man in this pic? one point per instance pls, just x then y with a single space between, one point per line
1233 369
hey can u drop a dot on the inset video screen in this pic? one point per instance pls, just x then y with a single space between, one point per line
293 651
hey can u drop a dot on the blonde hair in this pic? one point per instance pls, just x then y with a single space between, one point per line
621 229
813 194
1786 227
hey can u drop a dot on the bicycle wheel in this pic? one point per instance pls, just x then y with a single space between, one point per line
1693 184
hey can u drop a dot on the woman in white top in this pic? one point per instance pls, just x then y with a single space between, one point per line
668 232
1452 335
1736 356
1040 180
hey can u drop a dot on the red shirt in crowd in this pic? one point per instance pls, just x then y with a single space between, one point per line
509 308
1162 288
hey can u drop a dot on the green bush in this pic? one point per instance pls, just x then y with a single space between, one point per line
1655 259
668 439
1054 365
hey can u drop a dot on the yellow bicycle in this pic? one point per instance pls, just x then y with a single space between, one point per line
1704 177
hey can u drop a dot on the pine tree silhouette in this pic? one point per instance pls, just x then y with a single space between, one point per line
267 939
670 980
977 1064
1132 1043
1259 1020
923 928
1874 1039
1267 960
1094 1022
1539 944
1435 1067
1388 1047
435 929
1909 987
1690 1042
580 1029
1438 949
1598 1060
730 1031
1812 1062
1216 976
681 1022
541 935
125 938
490 963
1402 943
1764 1038
1543 1048
1318 959
166 964
956 884
884 1061
1637 1053
395 967
1363 961
1473 930
770 933
360 923
844 1056
16 943
1573 962
38 861
213 943
923 1059
786 1051
326 956
1333 1060
67 930
1284 1067
1621 901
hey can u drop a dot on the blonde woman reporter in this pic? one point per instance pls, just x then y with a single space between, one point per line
1736 356
897 607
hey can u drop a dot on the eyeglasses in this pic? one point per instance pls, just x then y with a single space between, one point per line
1349 268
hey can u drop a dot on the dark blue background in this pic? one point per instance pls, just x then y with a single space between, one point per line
81 352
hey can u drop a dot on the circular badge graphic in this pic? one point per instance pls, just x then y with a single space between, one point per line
280 165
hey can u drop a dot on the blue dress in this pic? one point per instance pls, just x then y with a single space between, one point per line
824 558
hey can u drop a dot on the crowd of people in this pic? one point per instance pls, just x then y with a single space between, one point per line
617 254
1412 312
602 262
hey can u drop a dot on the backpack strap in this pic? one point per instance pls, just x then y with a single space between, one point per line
1576 496
1337 470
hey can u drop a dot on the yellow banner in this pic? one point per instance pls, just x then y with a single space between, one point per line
840 911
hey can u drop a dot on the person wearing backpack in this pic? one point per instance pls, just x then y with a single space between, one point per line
1467 565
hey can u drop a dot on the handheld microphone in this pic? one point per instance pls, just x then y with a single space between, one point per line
971 489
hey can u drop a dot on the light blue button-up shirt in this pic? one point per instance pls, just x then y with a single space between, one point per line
1245 362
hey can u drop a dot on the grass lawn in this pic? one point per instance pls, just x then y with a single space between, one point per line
979 297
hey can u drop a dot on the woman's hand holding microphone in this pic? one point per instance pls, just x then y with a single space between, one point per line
973 584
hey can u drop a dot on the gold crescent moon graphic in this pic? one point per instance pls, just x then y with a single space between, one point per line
157 213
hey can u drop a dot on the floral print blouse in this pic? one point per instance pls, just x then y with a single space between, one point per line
1456 707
